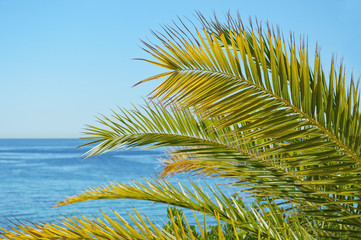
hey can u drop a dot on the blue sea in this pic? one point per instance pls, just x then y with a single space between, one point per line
36 173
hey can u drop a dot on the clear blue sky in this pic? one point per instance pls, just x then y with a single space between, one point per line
62 62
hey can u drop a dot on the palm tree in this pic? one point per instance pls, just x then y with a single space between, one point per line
242 104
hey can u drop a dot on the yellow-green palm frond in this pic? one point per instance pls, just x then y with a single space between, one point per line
82 227
214 152
264 220
253 77
108 227
272 225
326 99
287 112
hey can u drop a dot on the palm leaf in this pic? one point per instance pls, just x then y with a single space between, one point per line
270 225
242 93
214 153
291 116
230 209
87 228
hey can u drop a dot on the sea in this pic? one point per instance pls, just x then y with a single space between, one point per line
36 173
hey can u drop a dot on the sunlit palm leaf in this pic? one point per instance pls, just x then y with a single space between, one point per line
271 225
229 209
215 153
96 228
269 94
230 80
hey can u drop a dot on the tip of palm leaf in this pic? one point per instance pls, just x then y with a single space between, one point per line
138 83
58 204
62 203
69 200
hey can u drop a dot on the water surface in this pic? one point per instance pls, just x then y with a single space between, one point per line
36 173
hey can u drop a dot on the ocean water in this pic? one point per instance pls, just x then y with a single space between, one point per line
36 173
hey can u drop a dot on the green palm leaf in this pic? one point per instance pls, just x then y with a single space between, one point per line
270 96
109 228
264 221
247 93
142 228
214 153
266 105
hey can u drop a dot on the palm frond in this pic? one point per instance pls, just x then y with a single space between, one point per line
82 227
272 225
215 153
86 228
288 112
247 76
230 209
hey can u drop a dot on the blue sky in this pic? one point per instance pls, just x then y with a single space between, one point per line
64 62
